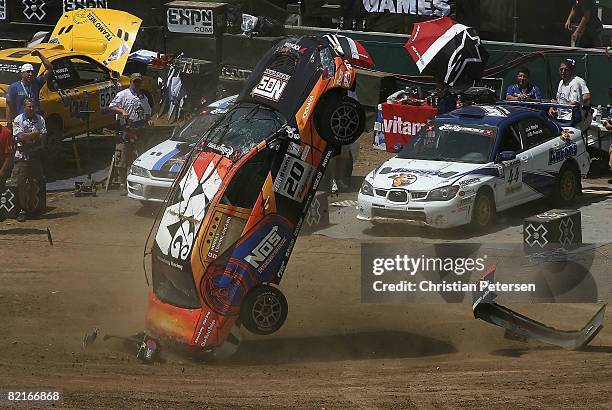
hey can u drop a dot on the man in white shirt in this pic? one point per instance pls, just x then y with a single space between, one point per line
133 113
572 89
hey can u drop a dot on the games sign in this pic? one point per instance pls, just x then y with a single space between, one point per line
190 20
435 8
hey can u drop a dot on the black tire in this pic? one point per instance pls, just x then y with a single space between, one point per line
339 119
483 210
567 185
263 310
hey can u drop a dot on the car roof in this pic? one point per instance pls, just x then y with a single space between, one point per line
493 115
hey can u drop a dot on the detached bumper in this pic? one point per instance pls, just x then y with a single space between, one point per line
147 189
437 214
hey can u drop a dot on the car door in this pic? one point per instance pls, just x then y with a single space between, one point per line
83 85
536 135
510 191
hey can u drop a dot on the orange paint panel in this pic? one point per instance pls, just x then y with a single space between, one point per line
167 320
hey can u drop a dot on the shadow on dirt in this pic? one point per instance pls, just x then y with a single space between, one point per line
357 346
518 352
510 218
57 215
23 231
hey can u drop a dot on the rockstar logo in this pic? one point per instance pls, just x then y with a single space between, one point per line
6 201
566 226
536 235
314 214
34 9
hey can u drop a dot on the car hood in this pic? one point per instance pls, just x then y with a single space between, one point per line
422 175
102 34
166 156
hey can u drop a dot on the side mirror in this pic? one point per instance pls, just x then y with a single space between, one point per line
114 75
506 156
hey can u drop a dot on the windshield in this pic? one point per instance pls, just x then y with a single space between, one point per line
452 142
243 128
193 131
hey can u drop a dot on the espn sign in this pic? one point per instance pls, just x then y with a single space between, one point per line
194 21
271 85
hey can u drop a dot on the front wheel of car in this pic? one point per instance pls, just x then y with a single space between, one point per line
263 310
566 185
339 119
483 211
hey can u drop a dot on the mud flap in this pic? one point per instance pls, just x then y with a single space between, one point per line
520 327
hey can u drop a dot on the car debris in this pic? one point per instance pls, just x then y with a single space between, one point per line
522 328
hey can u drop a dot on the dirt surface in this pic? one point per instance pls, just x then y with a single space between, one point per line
333 351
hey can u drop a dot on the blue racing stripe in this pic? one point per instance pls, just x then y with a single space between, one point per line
160 162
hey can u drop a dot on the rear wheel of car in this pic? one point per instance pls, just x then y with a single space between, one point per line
339 119
263 310
483 211
567 185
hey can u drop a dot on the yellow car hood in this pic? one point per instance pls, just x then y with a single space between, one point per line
103 34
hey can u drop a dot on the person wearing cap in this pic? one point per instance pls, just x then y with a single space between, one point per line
27 87
133 112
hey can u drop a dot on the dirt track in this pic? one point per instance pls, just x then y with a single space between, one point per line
333 351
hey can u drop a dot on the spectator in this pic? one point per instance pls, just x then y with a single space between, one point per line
572 89
133 113
588 32
28 87
6 156
30 133
447 101
523 90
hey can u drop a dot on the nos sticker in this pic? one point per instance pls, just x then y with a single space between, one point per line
271 85
293 178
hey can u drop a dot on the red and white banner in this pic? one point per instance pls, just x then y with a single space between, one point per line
400 123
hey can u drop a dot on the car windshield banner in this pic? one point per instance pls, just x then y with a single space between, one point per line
435 8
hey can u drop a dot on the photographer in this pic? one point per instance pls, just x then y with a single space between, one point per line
30 132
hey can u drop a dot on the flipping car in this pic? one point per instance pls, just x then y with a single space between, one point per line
237 205
152 173
466 165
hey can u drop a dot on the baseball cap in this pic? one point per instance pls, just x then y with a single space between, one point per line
27 67
570 62
136 77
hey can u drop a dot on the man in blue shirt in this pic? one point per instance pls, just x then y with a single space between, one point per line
28 87
523 90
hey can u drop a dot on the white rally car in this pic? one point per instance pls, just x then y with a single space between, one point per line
152 173
468 164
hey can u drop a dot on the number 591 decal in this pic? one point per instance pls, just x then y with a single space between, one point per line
292 179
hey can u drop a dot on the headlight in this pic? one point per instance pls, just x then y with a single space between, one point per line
445 193
139 171
328 63
367 189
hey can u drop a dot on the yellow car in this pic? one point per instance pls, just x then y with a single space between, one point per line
88 49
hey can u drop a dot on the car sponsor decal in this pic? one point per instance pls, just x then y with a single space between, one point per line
190 20
223 231
294 149
293 178
423 172
183 216
220 148
3 10
107 93
264 249
467 182
560 153
402 179
295 47
307 107
271 85
462 128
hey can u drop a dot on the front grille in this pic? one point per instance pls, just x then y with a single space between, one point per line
398 196
156 192
163 174
398 214
381 192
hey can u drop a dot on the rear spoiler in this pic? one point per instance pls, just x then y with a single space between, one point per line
576 109
520 327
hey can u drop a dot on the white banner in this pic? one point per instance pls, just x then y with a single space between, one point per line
2 10
437 8
70 5
188 20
